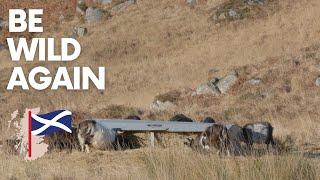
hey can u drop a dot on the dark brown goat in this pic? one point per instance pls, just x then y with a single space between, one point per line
259 133
62 141
214 136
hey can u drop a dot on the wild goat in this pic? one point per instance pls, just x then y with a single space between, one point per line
181 118
215 135
91 133
125 140
133 117
225 138
62 141
259 133
208 120
235 137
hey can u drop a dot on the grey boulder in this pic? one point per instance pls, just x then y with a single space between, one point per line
318 82
254 81
225 83
103 2
93 15
205 89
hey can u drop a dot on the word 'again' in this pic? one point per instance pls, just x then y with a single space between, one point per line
61 79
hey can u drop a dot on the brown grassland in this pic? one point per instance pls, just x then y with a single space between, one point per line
155 47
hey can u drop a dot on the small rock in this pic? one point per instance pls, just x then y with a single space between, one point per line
61 18
232 13
80 31
250 2
122 6
213 82
103 2
3 23
296 62
221 16
205 89
254 81
82 3
217 86
215 18
2 47
81 7
212 72
227 82
161 106
73 35
287 88
80 11
192 2
311 154
93 15
318 82
253 2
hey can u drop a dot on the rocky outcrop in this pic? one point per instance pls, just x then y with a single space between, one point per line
224 84
233 10
103 2
93 15
81 7
217 86
191 2
122 6
205 89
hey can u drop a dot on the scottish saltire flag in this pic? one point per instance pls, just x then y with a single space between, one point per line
45 124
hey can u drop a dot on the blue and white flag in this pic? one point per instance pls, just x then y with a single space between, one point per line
45 124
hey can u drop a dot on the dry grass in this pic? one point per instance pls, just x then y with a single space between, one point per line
155 47
170 163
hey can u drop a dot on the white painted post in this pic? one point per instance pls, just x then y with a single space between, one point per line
152 139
